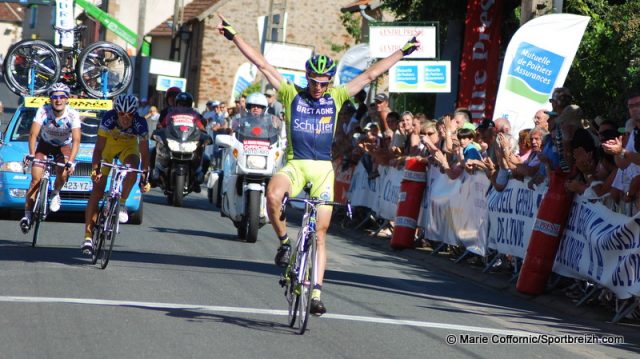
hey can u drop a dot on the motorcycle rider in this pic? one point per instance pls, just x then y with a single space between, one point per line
183 111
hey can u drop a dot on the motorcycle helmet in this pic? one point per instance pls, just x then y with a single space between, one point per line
173 91
257 99
184 99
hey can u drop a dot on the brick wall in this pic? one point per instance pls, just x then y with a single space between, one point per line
309 22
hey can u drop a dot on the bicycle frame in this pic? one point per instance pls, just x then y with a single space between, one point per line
107 225
298 278
41 204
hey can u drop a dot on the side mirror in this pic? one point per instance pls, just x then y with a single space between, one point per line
223 140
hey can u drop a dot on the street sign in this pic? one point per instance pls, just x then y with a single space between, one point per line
165 82
420 77
385 38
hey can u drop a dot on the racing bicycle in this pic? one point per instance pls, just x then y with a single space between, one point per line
41 204
107 225
300 276
102 69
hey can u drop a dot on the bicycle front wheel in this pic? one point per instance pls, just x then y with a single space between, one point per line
97 236
31 67
308 271
292 295
104 70
39 209
109 235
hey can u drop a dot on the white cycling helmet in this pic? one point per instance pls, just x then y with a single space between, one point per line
59 87
258 99
125 103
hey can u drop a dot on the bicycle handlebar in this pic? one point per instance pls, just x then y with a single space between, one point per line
46 162
313 202
125 168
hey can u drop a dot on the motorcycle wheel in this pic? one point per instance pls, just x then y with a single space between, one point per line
178 190
242 229
253 216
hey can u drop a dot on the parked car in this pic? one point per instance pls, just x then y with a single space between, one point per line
14 181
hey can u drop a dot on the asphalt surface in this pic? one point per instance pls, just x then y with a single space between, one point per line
182 286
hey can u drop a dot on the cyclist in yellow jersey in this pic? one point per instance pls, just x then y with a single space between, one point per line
310 118
125 134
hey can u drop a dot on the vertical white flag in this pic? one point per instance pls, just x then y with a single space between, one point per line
537 60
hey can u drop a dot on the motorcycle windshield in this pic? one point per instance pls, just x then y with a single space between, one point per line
183 130
257 129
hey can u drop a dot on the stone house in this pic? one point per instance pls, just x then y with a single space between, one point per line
210 62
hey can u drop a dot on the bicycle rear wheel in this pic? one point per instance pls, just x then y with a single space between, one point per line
109 235
307 267
39 209
104 70
31 64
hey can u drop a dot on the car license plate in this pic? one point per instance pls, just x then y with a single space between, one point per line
77 186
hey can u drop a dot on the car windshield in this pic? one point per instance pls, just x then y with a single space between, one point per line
90 122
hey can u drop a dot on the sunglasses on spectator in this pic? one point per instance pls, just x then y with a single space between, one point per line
58 97
250 106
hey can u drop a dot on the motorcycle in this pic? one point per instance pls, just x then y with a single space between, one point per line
252 155
178 168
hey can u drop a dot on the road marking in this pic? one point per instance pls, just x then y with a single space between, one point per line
215 308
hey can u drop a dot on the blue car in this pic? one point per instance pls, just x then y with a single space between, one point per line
14 181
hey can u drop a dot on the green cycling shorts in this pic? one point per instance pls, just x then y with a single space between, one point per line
319 173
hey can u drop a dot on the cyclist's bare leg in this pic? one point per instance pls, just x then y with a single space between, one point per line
36 176
278 186
130 178
322 225
61 177
91 213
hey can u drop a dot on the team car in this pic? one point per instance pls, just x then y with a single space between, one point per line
14 145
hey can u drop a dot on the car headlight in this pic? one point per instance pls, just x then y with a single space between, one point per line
257 162
176 146
12 167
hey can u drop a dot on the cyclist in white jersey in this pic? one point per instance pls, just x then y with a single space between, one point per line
310 119
55 131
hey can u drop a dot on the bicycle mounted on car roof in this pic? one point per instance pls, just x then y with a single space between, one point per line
102 69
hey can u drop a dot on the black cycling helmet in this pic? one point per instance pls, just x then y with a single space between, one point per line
184 99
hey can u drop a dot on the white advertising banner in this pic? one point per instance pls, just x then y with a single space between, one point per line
287 56
363 192
512 214
390 180
601 246
420 77
469 212
385 40
537 60
440 225
352 64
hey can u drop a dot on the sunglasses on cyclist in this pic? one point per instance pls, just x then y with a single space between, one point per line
58 97
125 114
313 81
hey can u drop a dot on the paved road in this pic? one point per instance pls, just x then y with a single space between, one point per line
182 286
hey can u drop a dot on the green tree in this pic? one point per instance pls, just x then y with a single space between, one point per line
607 63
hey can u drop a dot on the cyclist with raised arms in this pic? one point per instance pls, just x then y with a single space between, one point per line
55 131
310 118
125 134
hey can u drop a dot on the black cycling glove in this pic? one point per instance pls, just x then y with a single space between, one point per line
228 30
410 46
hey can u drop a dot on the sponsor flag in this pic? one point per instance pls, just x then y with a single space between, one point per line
537 60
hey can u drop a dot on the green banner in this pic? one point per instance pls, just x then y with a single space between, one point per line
115 26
